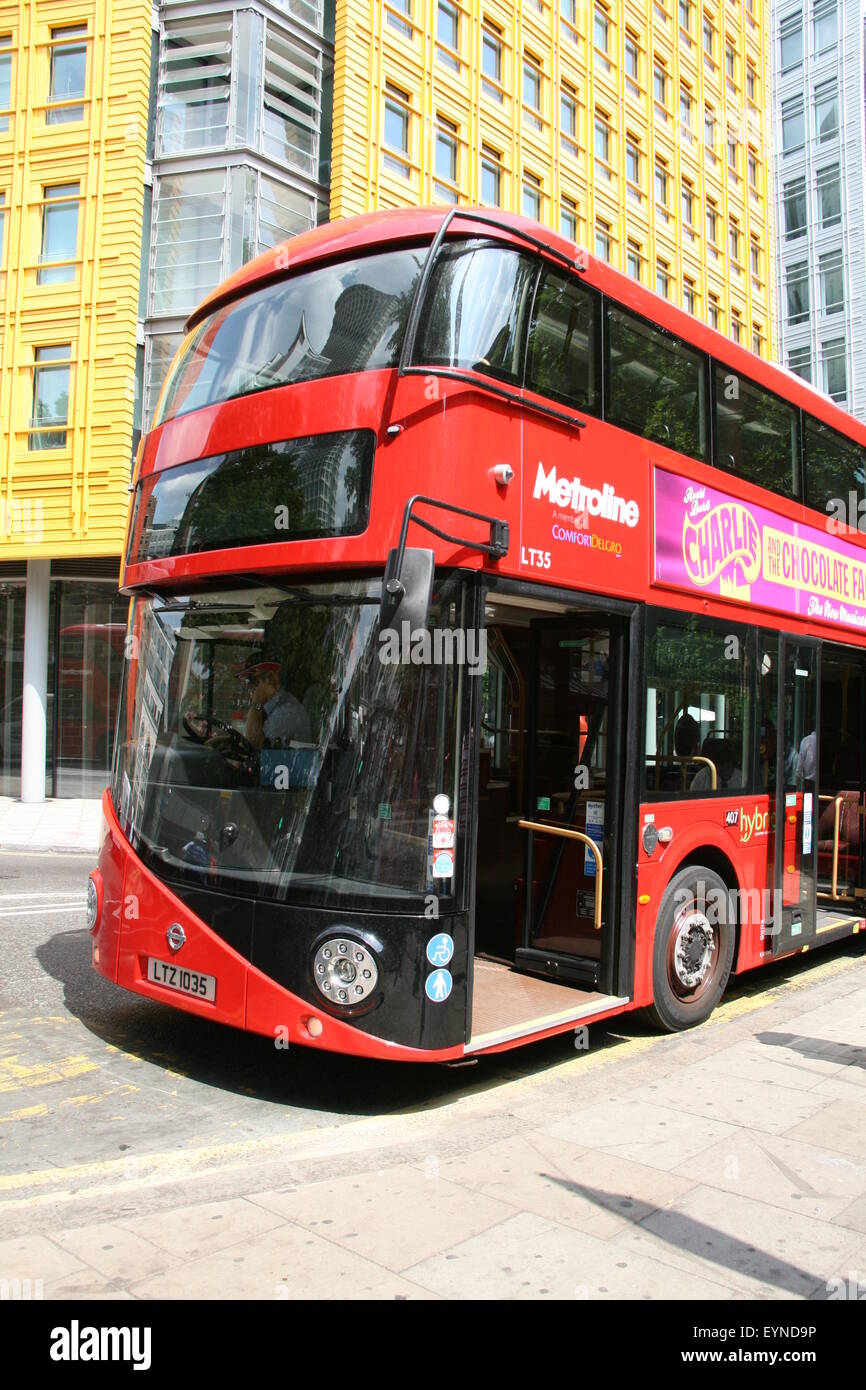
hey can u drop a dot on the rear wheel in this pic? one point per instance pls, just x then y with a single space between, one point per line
693 948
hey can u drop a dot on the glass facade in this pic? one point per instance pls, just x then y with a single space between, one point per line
237 157
86 634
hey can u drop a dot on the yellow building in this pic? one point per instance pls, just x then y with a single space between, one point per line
639 129
74 90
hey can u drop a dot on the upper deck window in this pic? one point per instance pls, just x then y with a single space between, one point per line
757 433
657 385
477 311
835 468
346 317
563 343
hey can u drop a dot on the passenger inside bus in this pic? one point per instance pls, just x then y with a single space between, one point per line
722 755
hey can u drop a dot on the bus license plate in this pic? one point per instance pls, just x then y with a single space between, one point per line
163 972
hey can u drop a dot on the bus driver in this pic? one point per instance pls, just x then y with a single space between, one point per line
275 716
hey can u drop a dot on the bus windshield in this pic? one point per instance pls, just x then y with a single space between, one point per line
269 744
344 317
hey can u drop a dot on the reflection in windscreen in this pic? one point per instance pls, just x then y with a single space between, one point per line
264 747
346 317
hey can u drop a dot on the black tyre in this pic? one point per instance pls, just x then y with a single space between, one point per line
693 948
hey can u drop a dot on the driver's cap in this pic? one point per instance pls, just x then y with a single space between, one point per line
253 666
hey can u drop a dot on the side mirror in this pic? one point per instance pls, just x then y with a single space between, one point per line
407 590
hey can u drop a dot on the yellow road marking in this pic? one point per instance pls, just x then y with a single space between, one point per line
29 1113
19 1076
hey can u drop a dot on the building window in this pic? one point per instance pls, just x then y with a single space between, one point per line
5 80
50 412
532 196
291 103
187 252
834 369
733 153
2 225
793 125
751 83
827 111
68 70
712 311
686 15
757 340
832 283
568 219
730 63
403 26
194 85
632 166
633 260
396 157
796 213
755 258
602 142
709 128
568 121
601 30
712 224
660 83
826 35
59 247
753 170
797 292
531 91
688 205
690 298
709 37
448 34
491 177
602 240
686 112
800 362
663 279
632 63
446 184
491 62
736 326
283 211
661 185
734 242
792 42
829 197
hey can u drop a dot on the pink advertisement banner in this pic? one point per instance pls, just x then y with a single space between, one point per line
707 542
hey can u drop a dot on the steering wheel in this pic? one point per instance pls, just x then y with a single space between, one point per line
202 728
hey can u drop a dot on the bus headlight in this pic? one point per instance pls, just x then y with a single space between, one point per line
345 971
93 902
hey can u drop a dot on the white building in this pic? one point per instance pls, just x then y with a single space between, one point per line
820 142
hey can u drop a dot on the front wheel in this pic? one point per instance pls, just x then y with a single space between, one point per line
693 949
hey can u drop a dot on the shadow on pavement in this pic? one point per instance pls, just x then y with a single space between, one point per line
225 1058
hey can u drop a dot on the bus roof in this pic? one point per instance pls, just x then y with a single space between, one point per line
334 240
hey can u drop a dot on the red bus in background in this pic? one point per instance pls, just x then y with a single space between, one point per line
496 657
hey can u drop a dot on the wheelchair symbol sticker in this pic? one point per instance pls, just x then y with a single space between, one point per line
440 949
438 986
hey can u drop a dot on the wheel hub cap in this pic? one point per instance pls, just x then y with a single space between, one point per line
693 949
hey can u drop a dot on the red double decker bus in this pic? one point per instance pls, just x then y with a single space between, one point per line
496 657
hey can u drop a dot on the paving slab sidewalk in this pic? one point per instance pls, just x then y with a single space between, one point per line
61 824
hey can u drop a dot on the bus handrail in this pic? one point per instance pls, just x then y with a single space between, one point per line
542 829
687 758
838 798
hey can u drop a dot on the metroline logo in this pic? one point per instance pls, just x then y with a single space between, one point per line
571 492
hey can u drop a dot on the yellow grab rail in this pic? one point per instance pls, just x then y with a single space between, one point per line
541 829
